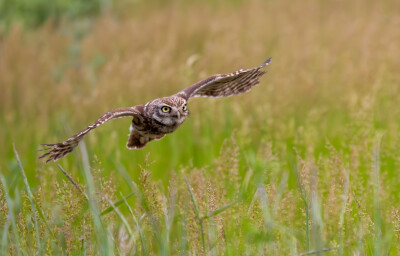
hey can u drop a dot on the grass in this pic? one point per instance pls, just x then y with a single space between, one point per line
306 163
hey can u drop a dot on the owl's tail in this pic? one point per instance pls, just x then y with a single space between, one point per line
136 140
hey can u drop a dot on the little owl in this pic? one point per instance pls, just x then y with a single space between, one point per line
156 118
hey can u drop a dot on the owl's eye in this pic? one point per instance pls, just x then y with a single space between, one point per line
184 107
166 109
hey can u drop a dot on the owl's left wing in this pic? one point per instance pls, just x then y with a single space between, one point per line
226 85
58 150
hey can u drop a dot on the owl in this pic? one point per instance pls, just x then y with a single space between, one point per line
156 118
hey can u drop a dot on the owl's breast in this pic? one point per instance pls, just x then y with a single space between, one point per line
155 127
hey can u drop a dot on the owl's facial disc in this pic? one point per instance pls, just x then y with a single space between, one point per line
169 115
170 111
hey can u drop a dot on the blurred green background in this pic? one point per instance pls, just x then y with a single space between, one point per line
33 14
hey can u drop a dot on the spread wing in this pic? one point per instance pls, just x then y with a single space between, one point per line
226 85
58 150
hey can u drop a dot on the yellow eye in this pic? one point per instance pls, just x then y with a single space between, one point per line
166 109
184 107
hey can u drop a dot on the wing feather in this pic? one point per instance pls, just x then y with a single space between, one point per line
224 85
59 150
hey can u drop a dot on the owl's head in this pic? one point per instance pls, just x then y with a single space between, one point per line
170 111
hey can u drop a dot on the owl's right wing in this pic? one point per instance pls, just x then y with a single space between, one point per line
58 150
224 85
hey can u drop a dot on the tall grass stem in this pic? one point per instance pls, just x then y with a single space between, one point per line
30 195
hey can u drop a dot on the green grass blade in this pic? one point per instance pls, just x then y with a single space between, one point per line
343 211
11 215
278 197
318 251
116 204
30 195
69 177
124 221
142 201
169 214
317 227
219 210
196 209
101 232
83 238
304 198
133 186
375 176
3 245
46 224
139 229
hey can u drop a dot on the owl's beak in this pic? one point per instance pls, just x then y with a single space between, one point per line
179 115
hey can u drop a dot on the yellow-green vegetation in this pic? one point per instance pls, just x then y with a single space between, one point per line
307 162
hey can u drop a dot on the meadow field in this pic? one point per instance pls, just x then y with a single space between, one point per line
306 163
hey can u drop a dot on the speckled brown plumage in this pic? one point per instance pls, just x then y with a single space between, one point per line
156 118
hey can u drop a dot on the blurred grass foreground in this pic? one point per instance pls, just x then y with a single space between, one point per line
306 163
